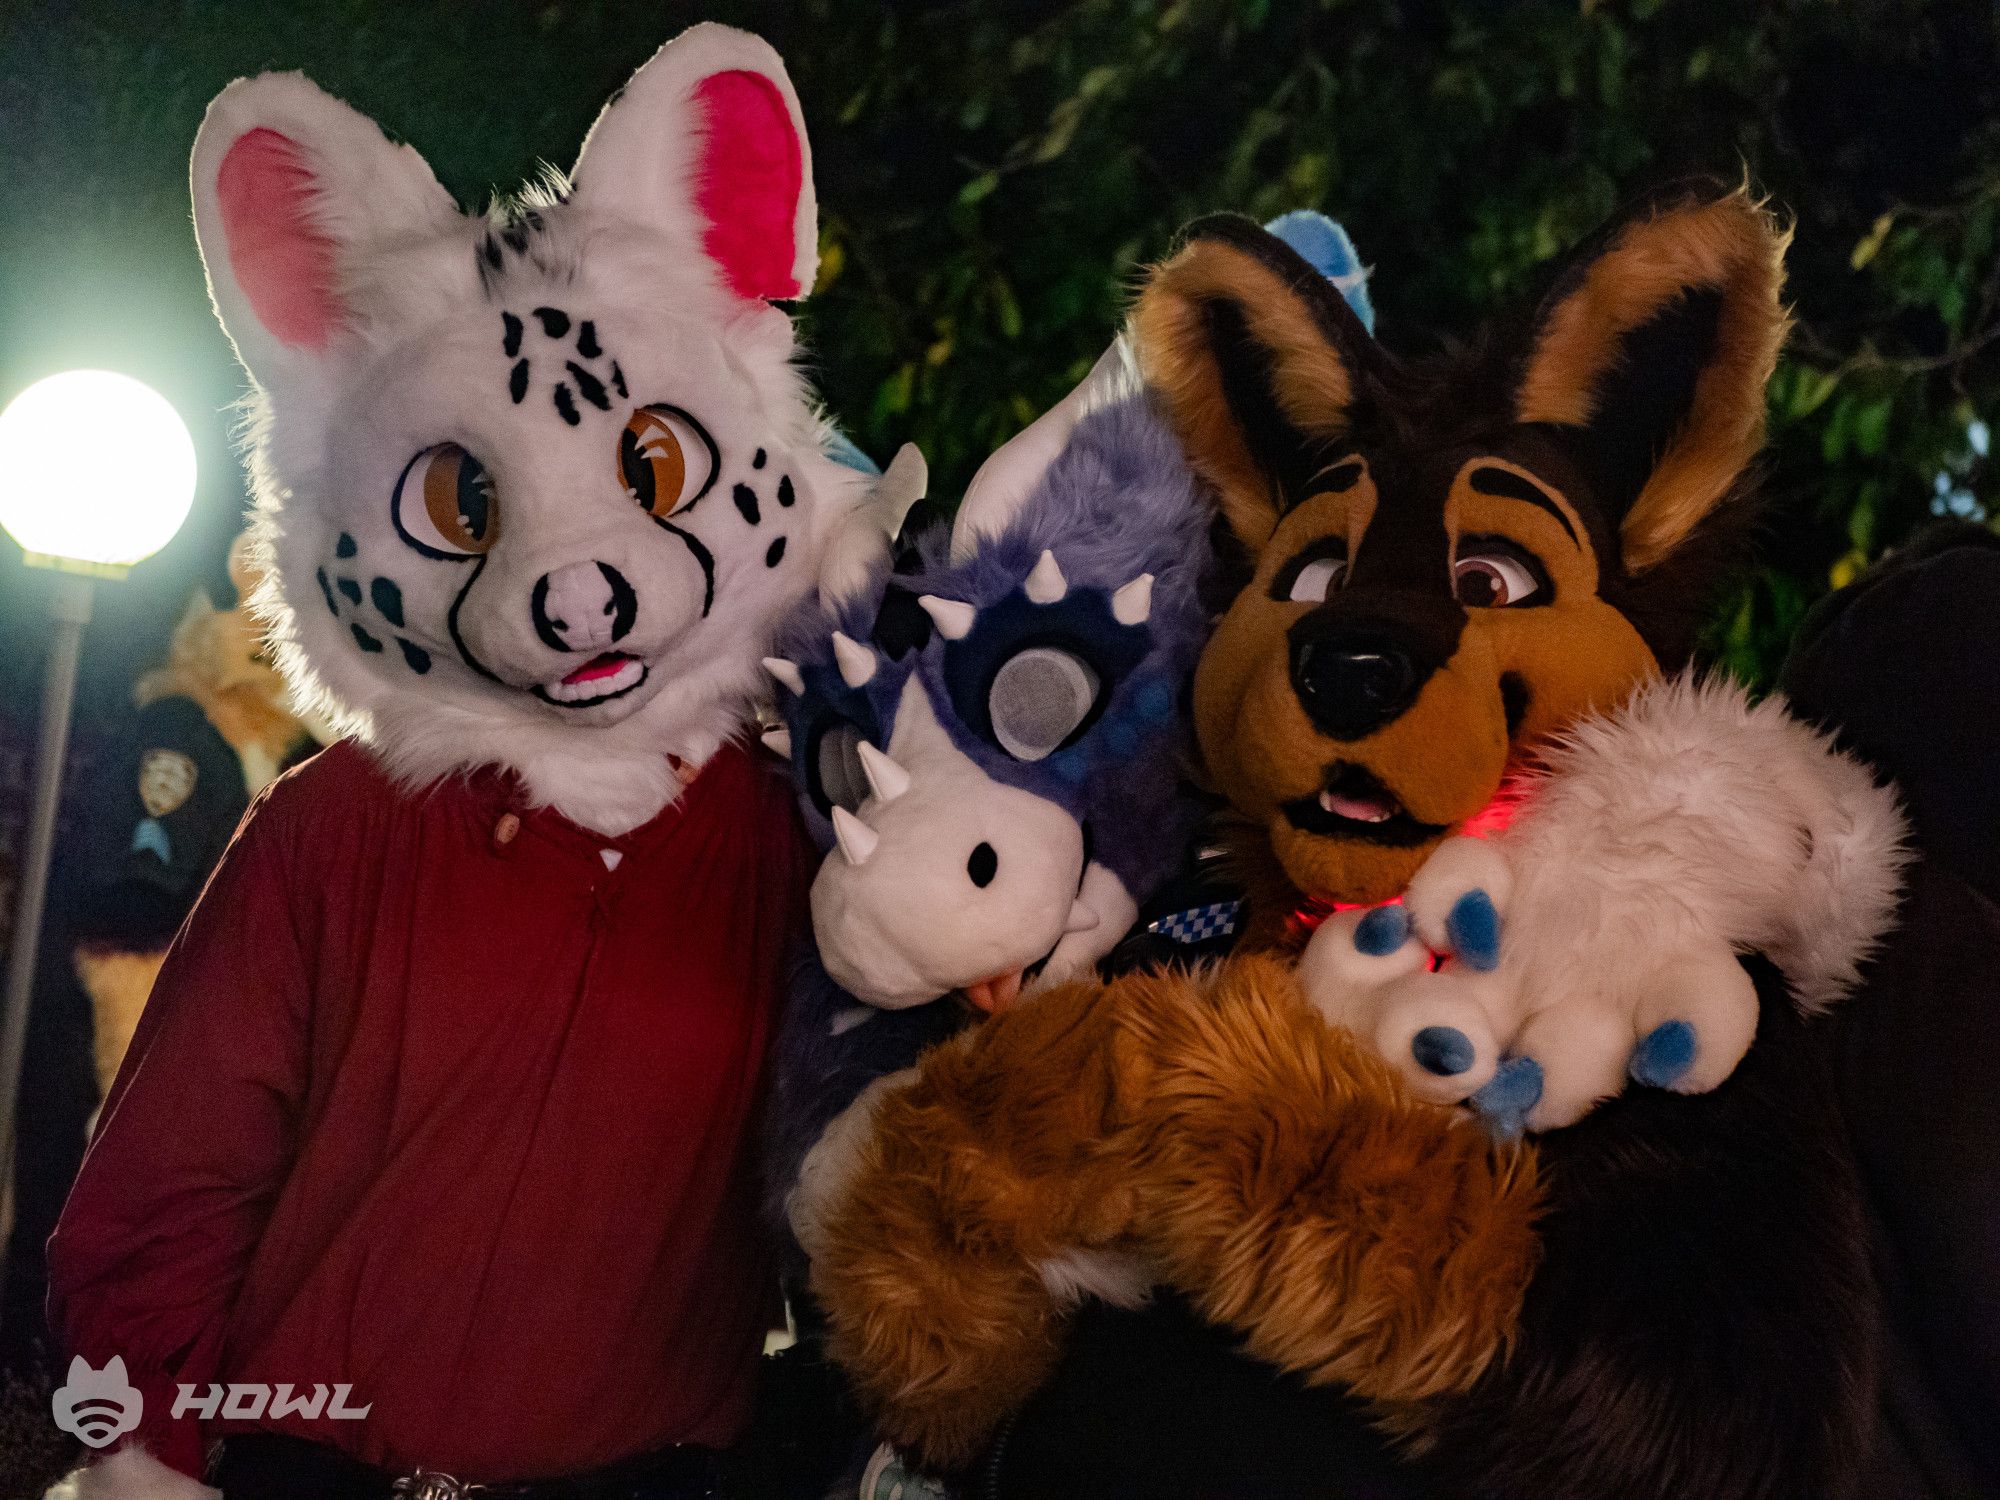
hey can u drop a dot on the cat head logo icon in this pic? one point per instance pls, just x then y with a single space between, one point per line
97 1406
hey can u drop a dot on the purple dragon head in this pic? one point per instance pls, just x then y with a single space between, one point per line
991 745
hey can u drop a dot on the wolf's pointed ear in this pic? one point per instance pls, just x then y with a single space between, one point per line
1649 360
289 186
1261 364
707 144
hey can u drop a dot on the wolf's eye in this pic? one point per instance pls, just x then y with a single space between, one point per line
1039 699
1493 573
666 460
1314 574
444 504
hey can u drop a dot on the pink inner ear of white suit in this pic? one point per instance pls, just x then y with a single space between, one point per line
748 182
282 261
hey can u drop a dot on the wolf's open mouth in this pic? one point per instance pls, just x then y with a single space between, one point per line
1354 804
598 680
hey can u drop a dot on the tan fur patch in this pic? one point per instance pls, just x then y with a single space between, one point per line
1312 383
1729 244
1298 1196
118 985
217 659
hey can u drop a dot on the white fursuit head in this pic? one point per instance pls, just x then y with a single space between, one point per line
536 486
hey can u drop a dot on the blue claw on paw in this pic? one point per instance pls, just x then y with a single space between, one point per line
1382 931
1474 929
1664 1055
1513 1090
1443 1050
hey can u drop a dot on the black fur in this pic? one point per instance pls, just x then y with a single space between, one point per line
1705 1320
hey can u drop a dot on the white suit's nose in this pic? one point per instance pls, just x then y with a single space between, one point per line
583 606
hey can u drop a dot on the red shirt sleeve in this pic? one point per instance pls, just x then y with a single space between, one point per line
196 1137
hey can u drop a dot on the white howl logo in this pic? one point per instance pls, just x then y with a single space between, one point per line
97 1406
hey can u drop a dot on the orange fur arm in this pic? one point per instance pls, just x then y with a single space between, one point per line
992 1161
1295 1193
1216 1130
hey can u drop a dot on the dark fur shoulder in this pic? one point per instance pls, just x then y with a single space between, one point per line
1705 1322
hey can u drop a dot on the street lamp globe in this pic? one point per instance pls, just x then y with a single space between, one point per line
96 474
96 471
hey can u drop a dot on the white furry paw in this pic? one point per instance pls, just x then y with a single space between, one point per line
1457 900
133 1474
1372 972
1695 1019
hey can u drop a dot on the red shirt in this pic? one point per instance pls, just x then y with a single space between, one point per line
462 1123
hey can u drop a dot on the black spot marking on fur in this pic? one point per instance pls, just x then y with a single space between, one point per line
618 380
588 385
344 547
566 404
775 553
351 589
746 501
364 640
515 237
326 592
757 459
511 344
586 340
388 599
517 381
554 321
489 251
415 657
786 495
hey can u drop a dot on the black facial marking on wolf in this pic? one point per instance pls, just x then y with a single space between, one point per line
511 327
588 385
775 554
351 589
388 599
618 380
364 640
746 502
490 256
757 459
517 381
554 321
344 547
786 495
415 657
326 592
566 404
586 340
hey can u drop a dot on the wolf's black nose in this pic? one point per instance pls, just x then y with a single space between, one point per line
1352 683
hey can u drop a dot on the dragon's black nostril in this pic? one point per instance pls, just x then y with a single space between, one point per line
983 866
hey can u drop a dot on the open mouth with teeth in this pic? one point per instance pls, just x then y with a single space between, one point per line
599 680
1354 804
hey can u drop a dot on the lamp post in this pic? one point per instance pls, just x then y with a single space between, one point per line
96 474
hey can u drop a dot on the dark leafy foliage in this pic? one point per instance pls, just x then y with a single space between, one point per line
993 172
